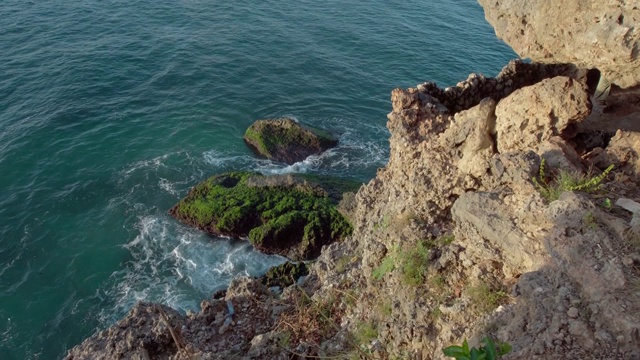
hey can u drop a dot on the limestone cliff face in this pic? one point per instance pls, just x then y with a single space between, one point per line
461 168
603 34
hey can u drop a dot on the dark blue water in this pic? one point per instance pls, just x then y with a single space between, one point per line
110 111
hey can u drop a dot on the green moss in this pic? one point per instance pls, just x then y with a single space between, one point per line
486 299
414 264
286 140
275 218
365 332
285 274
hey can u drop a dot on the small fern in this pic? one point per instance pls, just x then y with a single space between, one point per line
567 181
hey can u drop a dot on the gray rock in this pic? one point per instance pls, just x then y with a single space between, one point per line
573 313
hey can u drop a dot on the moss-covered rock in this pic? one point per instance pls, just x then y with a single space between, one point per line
281 214
286 140
285 274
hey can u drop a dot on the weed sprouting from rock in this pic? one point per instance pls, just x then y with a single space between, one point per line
490 350
387 265
365 332
411 262
486 299
414 264
385 308
567 181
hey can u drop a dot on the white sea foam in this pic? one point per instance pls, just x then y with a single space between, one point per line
221 160
168 186
143 164
356 152
178 266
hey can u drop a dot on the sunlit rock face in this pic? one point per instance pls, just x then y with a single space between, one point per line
603 34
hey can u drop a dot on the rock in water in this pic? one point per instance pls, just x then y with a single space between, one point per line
282 214
603 34
286 140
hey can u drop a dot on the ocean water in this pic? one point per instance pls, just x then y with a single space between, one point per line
111 110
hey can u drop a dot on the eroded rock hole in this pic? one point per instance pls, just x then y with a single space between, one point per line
593 77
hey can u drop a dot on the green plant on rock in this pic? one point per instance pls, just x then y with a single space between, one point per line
385 308
445 239
414 264
486 299
590 221
365 332
489 351
387 265
383 224
342 263
567 181
411 262
284 339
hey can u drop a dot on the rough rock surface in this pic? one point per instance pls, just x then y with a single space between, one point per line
602 34
452 240
217 331
537 113
286 140
623 152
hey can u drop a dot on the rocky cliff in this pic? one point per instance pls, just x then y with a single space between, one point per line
591 34
498 214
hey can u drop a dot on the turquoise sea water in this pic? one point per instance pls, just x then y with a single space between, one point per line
110 111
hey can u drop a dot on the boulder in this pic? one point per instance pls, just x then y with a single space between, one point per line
474 127
142 334
602 34
539 112
484 219
285 274
623 152
282 214
285 140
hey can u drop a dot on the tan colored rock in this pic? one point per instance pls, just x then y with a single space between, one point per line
603 34
539 112
623 152
473 129
483 218
560 155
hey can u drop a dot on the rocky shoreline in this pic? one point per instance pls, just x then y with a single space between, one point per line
457 237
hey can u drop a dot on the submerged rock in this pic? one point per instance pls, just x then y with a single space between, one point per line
286 140
282 214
